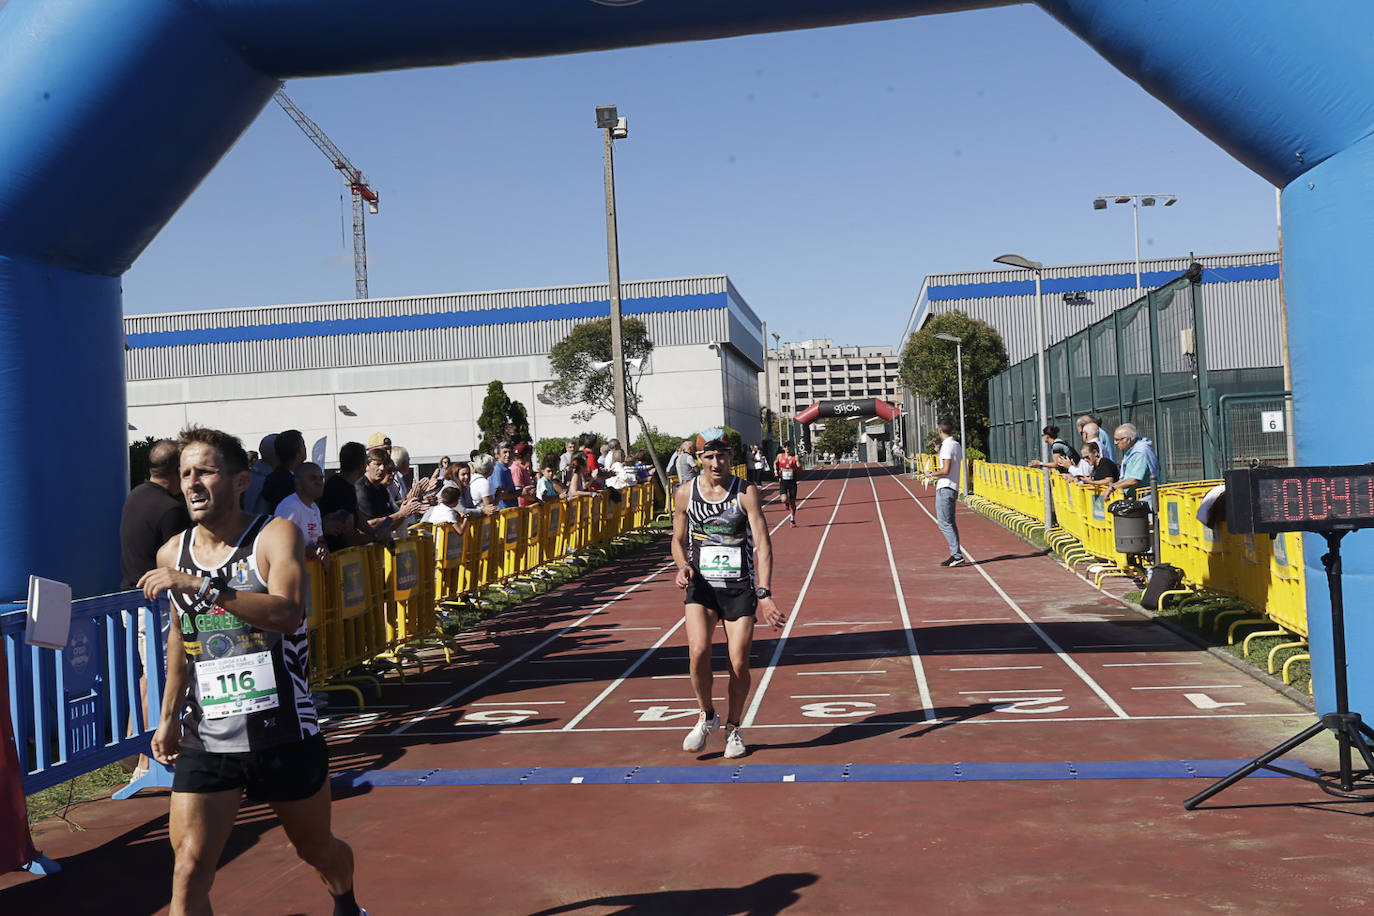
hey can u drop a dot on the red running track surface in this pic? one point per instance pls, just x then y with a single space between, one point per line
887 658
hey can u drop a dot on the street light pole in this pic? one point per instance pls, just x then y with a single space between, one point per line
959 367
1015 260
614 127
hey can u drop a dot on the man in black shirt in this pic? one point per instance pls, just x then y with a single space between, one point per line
153 512
1104 469
281 483
375 505
339 501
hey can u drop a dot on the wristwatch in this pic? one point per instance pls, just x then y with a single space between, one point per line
763 593
219 586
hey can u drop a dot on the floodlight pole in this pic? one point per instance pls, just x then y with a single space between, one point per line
1137 200
622 419
1015 260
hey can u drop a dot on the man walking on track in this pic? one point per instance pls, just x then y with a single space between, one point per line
947 491
787 467
724 562
238 664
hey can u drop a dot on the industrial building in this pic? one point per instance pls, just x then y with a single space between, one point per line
1242 315
417 368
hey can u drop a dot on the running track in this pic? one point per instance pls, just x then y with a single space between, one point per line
996 738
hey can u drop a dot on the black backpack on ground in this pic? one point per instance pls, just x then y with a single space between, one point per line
1163 578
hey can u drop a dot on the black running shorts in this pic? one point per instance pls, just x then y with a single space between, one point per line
287 772
788 487
730 602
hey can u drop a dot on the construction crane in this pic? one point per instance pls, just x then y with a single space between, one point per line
361 192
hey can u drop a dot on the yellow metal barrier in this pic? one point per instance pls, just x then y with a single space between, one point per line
1266 574
379 604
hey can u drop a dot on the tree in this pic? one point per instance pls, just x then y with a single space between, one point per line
494 417
929 370
520 419
577 382
839 437
138 459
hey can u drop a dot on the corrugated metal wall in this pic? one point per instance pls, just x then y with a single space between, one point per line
412 346
1242 317
418 305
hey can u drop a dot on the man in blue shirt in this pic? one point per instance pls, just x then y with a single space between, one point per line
502 484
1140 465
1090 430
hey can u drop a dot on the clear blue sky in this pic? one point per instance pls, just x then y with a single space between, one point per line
827 172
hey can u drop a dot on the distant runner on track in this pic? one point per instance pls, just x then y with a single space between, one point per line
724 562
237 715
787 467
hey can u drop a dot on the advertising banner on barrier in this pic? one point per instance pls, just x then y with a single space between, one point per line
407 568
354 578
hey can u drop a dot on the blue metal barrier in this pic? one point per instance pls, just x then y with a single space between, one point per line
77 710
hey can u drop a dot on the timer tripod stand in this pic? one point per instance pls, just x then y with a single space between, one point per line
1352 734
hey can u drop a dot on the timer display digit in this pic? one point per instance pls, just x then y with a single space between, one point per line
1271 500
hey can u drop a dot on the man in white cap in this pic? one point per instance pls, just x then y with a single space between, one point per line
265 465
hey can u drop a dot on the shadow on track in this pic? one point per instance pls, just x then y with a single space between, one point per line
764 897
863 729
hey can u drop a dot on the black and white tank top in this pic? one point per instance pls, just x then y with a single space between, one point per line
722 544
250 688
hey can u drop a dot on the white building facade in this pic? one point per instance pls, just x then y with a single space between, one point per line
417 368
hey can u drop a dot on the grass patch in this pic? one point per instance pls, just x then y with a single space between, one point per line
1211 616
56 800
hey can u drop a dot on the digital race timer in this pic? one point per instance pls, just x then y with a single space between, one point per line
1268 500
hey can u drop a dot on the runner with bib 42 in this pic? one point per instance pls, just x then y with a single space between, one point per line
724 564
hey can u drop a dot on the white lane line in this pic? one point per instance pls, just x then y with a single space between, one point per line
574 661
547 680
612 628
917 668
1039 631
964 619
669 700
671 677
835 696
980 693
1001 668
835 723
1147 664
522 703
1130 645
976 651
767 677
818 673
645 655
847 623
1196 687
864 653
527 653
1082 618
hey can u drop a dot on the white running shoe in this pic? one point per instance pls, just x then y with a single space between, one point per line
734 741
696 738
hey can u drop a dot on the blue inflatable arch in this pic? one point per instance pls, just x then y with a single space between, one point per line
111 114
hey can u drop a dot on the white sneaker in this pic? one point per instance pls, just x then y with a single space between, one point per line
734 741
696 738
